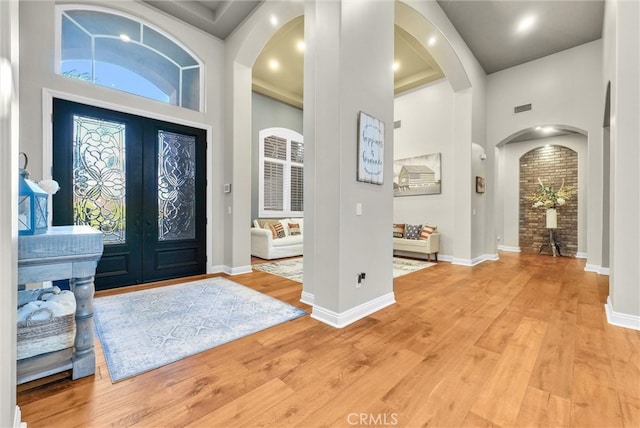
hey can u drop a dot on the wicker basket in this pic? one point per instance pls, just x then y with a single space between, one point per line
41 336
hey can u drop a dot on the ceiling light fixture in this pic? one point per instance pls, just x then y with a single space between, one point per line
125 38
432 41
273 20
274 64
526 24
396 66
300 45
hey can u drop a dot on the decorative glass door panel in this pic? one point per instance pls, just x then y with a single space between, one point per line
176 186
139 181
99 177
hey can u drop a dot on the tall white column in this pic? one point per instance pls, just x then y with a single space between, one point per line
348 69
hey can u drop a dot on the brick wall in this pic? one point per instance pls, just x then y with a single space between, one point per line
551 164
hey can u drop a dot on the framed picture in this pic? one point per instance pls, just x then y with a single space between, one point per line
479 184
370 149
419 175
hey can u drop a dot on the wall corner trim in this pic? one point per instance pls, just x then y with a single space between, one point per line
17 423
476 260
307 298
343 319
620 319
509 248
236 270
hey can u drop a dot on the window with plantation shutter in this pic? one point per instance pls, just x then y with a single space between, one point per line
281 173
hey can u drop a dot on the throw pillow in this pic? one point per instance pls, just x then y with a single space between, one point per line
412 231
398 230
277 230
294 229
427 230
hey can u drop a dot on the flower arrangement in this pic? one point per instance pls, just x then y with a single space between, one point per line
548 197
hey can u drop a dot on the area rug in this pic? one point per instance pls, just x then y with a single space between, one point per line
292 268
147 329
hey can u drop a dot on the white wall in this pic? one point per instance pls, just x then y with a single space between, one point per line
9 413
37 31
564 89
427 116
622 67
470 244
507 228
268 113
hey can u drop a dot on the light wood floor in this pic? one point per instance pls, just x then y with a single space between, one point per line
522 341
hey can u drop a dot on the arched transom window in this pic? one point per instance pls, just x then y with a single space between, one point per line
123 53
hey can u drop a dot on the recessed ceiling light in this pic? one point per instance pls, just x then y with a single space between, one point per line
300 45
125 38
396 66
273 20
432 41
526 24
274 64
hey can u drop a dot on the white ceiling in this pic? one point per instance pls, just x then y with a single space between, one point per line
487 27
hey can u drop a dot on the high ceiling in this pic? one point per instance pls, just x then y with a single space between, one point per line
216 17
492 29
488 27
278 70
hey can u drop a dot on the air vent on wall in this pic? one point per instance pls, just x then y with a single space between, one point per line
523 107
397 124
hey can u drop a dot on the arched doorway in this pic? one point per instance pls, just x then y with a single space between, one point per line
555 168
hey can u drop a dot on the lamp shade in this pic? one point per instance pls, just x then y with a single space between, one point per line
32 206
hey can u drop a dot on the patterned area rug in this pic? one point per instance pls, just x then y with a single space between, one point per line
292 268
147 329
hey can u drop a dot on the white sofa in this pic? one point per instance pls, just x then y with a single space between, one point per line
418 246
265 246
416 239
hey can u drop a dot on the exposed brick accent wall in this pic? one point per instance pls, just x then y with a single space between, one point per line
551 164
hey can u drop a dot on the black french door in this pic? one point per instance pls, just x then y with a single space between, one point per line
142 182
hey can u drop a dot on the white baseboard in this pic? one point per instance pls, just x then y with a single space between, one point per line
509 249
340 320
461 262
591 268
215 269
597 269
307 298
475 261
17 422
236 270
619 319
581 255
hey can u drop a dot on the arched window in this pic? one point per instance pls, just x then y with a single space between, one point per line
123 53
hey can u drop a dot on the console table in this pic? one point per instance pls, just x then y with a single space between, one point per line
63 252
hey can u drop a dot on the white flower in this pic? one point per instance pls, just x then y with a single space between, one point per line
560 201
49 186
538 204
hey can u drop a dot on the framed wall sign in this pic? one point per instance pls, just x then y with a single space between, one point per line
370 149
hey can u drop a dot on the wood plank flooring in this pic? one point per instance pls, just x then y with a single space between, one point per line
522 341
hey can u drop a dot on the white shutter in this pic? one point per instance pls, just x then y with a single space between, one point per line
281 173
